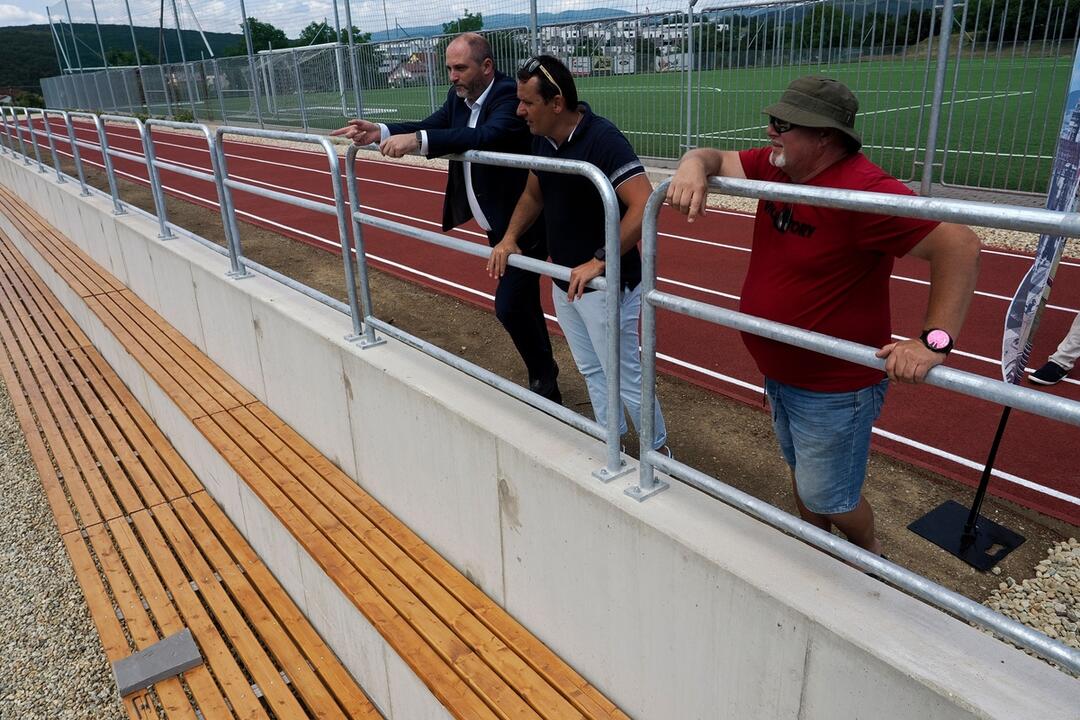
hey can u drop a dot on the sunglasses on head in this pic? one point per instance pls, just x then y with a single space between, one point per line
533 64
781 126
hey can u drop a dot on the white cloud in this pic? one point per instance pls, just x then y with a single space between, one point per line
15 15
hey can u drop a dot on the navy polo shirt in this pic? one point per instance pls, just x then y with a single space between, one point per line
573 210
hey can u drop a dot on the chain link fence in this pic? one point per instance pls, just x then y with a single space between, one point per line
676 80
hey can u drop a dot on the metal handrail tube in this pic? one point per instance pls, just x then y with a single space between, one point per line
52 142
153 164
568 416
338 208
613 462
967 383
969 212
540 267
33 139
902 578
314 205
181 170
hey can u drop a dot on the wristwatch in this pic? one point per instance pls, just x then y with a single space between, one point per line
600 254
419 140
937 340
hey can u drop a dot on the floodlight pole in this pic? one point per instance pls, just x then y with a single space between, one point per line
339 63
56 45
101 47
533 31
251 63
183 61
74 42
134 42
352 61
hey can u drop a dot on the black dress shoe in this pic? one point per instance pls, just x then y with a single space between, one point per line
548 389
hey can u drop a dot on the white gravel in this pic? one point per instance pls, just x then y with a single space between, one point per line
1050 601
52 665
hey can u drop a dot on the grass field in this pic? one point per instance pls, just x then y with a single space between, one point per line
999 123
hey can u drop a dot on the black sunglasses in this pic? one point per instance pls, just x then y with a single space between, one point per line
533 64
781 126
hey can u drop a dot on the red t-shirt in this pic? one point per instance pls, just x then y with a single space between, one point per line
825 270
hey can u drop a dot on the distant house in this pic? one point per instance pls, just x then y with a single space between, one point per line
8 95
413 69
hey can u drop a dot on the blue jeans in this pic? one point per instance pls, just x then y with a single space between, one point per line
825 438
584 323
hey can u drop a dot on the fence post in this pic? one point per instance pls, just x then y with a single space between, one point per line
217 88
165 90
300 90
939 90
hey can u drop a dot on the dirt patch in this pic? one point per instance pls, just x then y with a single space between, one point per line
721 437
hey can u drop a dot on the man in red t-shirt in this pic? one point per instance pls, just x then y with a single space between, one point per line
827 270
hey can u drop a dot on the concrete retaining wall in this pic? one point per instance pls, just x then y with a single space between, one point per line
676 608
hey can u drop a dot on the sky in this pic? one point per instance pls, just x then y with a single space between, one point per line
291 15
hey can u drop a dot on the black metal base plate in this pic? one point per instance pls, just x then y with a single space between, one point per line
944 526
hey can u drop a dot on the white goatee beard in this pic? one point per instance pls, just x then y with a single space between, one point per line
777 159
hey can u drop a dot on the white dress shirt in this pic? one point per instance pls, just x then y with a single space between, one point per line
474 115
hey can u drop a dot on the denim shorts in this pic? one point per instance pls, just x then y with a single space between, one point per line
825 438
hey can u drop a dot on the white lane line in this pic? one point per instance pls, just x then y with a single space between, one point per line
929 449
1008 477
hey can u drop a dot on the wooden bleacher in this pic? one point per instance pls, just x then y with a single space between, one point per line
476 659
151 551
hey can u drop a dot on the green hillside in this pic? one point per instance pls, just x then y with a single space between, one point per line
27 52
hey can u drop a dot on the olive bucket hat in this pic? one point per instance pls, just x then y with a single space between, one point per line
818 102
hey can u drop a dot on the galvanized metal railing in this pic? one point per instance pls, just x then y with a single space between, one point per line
1057 408
614 464
365 323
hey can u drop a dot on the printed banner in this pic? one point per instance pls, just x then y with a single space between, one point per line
1022 317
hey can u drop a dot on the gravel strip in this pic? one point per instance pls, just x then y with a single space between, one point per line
51 661
1050 601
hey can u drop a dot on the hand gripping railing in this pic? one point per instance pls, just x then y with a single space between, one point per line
614 464
228 209
984 214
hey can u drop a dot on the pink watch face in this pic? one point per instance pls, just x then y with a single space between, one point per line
938 339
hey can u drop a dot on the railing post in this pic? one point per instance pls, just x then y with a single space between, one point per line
647 484
366 335
75 154
6 145
118 207
614 465
52 147
19 135
33 140
237 270
164 231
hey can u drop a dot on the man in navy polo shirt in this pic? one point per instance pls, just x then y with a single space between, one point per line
574 225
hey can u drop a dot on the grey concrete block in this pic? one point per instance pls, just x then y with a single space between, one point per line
163 659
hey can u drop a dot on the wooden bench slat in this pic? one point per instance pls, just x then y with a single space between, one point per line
192 353
138 622
97 599
218 603
537 692
332 674
588 700
443 682
215 652
143 422
77 486
75 263
272 633
161 375
47 473
453 650
21 274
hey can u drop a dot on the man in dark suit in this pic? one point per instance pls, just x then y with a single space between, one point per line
480 114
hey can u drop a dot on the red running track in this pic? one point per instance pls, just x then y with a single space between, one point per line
1038 464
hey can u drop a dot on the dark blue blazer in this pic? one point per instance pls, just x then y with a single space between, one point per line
498 128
